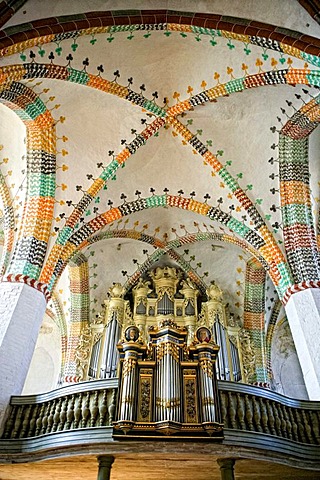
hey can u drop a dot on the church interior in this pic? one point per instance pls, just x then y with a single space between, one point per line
159 239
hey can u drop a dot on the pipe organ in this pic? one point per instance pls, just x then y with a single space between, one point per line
167 387
163 294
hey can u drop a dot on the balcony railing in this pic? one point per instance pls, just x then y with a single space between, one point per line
82 414
253 409
83 405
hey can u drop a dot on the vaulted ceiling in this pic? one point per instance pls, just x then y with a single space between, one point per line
164 151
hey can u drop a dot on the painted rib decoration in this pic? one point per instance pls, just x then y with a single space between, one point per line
79 239
253 317
80 305
35 226
29 241
270 331
56 29
296 206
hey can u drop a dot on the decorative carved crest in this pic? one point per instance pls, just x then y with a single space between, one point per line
248 356
82 352
214 293
116 291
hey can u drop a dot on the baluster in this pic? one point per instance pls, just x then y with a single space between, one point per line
77 410
70 412
257 414
241 411
103 408
277 421
264 416
301 433
45 418
224 404
95 409
315 425
56 416
39 419
25 422
33 420
287 420
294 425
10 422
271 418
63 414
232 411
249 414
17 423
112 406
283 425
307 427
50 416
85 410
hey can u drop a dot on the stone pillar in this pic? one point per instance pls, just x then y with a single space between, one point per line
226 468
21 312
303 312
105 465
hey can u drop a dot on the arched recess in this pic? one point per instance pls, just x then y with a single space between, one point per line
78 273
169 247
84 237
187 240
35 226
79 287
299 230
162 248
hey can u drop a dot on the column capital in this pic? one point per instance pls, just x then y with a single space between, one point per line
105 460
31 282
226 463
105 465
226 468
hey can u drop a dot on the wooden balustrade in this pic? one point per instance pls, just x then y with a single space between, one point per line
254 409
89 404
93 404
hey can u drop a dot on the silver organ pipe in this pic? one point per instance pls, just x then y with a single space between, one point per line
129 374
165 306
223 367
235 362
111 357
93 367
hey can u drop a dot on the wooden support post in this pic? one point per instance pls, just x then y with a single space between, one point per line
105 465
226 468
